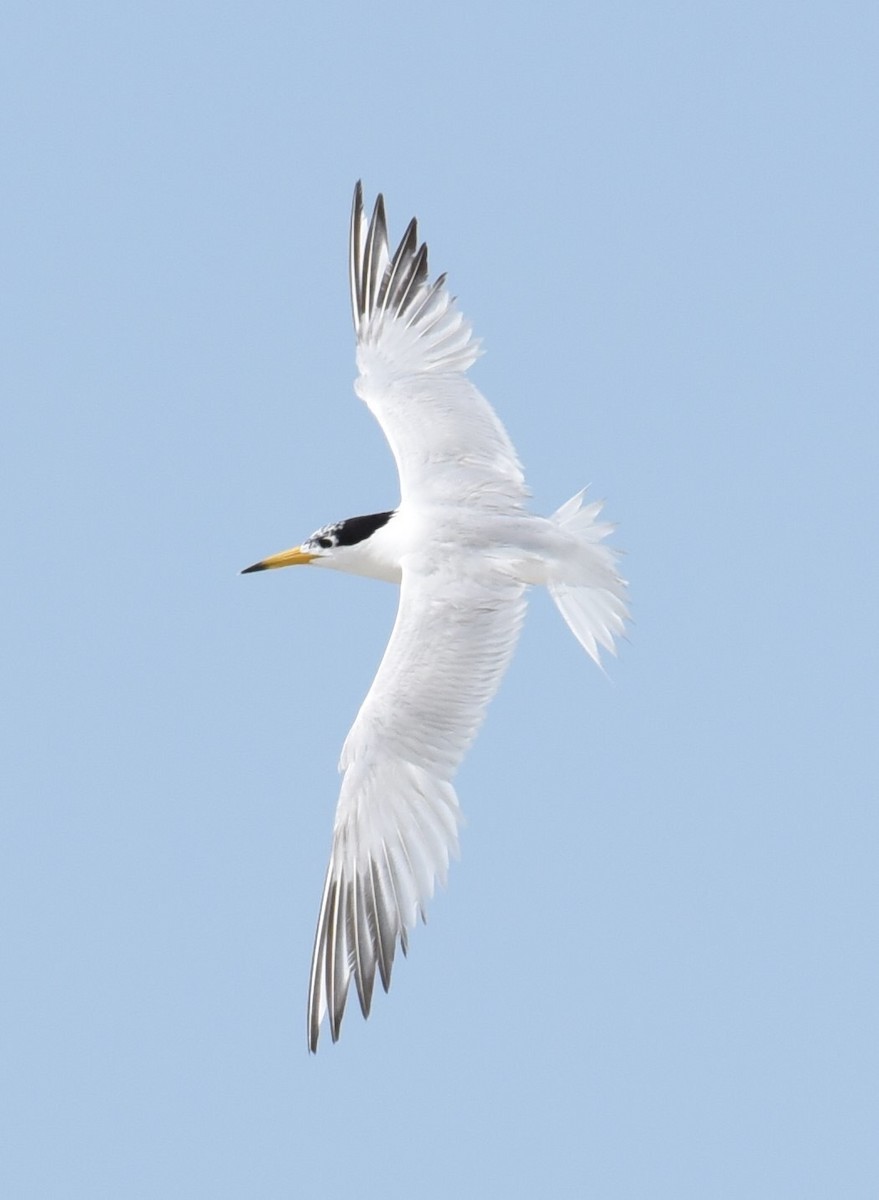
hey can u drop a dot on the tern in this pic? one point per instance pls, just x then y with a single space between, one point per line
464 549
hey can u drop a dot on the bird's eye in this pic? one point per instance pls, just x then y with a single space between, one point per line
325 543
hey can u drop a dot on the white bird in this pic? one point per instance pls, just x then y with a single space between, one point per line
464 550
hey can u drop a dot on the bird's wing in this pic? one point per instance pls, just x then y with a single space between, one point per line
397 817
413 349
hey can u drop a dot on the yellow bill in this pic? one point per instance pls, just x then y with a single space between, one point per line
287 558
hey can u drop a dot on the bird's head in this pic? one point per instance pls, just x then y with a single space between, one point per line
349 545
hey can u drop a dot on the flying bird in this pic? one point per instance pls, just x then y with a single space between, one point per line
464 550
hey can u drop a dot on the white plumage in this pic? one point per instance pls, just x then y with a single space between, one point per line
464 549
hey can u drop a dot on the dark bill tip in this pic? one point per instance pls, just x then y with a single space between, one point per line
256 567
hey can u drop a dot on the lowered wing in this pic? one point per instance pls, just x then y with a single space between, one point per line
397 818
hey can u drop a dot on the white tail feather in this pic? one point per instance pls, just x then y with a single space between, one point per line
590 593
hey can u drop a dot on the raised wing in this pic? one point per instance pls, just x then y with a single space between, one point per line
397 818
413 349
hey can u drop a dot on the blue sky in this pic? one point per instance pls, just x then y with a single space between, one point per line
653 972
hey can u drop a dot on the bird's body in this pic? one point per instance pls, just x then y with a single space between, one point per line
464 549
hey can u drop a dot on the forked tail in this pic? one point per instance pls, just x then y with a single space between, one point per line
589 591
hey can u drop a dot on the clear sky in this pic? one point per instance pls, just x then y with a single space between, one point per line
654 971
